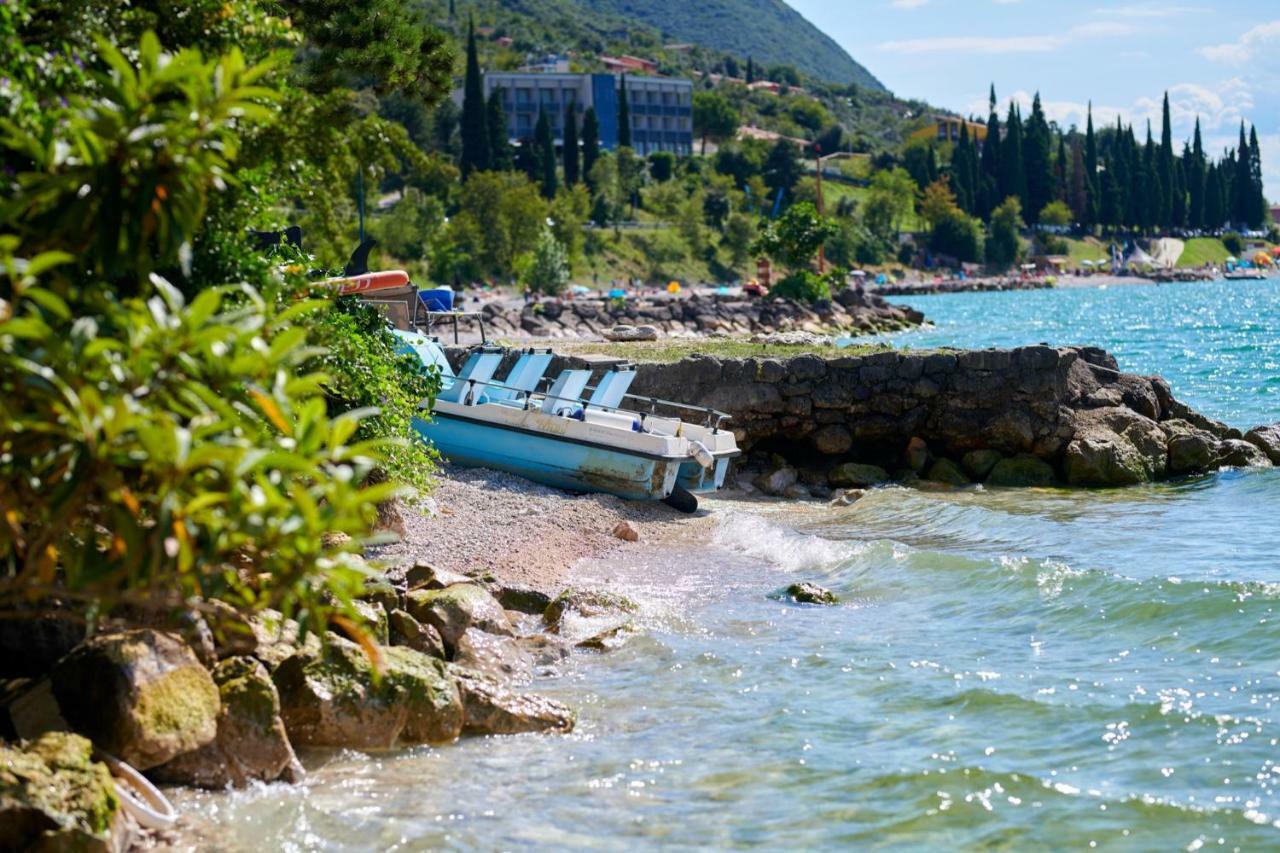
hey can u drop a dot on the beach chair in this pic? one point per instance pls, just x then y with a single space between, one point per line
612 387
565 392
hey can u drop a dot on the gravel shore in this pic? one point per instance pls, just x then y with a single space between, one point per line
480 521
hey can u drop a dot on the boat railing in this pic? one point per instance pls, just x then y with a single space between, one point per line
713 419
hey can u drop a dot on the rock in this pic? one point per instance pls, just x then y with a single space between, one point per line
251 744
491 709
1022 471
832 440
334 540
409 632
946 471
1239 453
425 576
381 592
1267 439
276 638
624 531
332 698
978 463
608 639
857 474
848 497
54 796
777 481
503 658
454 609
623 334
1099 456
374 620
916 456
523 599
1192 452
140 695
31 645
809 593
586 603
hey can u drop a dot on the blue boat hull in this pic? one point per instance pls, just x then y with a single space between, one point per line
565 465
697 480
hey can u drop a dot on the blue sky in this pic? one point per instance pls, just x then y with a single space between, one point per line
1219 59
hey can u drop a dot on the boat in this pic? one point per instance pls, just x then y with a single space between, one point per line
570 435
1245 275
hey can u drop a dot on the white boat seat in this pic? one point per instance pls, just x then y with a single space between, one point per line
566 392
523 376
612 387
659 425
479 369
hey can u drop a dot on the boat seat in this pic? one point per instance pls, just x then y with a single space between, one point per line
659 425
479 369
612 387
523 377
565 392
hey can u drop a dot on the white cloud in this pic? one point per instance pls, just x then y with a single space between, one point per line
908 4
1008 44
1149 10
1241 52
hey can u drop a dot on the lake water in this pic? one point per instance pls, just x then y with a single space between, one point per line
1013 669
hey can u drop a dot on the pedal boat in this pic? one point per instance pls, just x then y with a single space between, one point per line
571 436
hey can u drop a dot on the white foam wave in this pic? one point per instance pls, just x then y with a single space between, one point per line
780 546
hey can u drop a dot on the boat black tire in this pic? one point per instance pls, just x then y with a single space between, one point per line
681 499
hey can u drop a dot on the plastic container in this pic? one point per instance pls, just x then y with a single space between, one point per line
438 299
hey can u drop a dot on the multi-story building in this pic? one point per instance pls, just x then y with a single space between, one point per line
661 107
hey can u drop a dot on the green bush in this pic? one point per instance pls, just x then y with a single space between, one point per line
1234 243
958 235
159 451
802 286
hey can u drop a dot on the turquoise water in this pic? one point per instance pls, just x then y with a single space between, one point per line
1008 669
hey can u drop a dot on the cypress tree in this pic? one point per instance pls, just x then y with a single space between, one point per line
590 142
989 187
1215 207
545 146
1060 171
1078 195
624 116
1165 168
1195 174
1013 174
751 71
571 154
960 171
475 135
500 158
1093 210
526 159
1178 213
1037 152
1241 182
1257 196
1150 191
453 9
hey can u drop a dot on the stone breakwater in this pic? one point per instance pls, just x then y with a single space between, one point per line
852 311
972 285
1036 415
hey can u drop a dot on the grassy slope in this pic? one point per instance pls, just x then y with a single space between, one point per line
1088 249
770 31
1199 251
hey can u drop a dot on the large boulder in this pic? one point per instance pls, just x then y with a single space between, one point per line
1239 453
587 604
54 796
777 481
978 463
334 698
1191 450
946 471
1021 471
251 744
140 695
856 474
407 631
491 709
1266 439
457 608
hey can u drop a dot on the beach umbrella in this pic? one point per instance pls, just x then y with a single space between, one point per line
673 287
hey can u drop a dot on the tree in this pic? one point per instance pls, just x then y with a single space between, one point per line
545 145
921 162
793 239
1037 148
590 143
1092 211
739 234
662 165
505 213
1003 245
475 134
751 71
1055 214
572 156
1165 168
1215 205
624 115
1061 189
938 201
957 234
546 268
782 168
897 191
1078 193
1257 209
1013 174
526 159
500 155
714 118
1195 177
964 172
989 188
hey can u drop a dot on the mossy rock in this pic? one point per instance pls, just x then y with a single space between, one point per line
492 709
856 474
811 593
946 471
335 698
375 621
978 463
1022 471
140 695
382 592
455 609
407 631
54 796
585 603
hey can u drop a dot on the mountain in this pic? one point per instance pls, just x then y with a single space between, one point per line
770 31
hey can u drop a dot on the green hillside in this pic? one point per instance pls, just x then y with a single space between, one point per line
768 30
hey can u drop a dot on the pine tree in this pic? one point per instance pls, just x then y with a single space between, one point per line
571 153
1013 174
475 134
590 143
1094 210
624 115
1195 174
544 144
1165 168
500 157
1037 152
